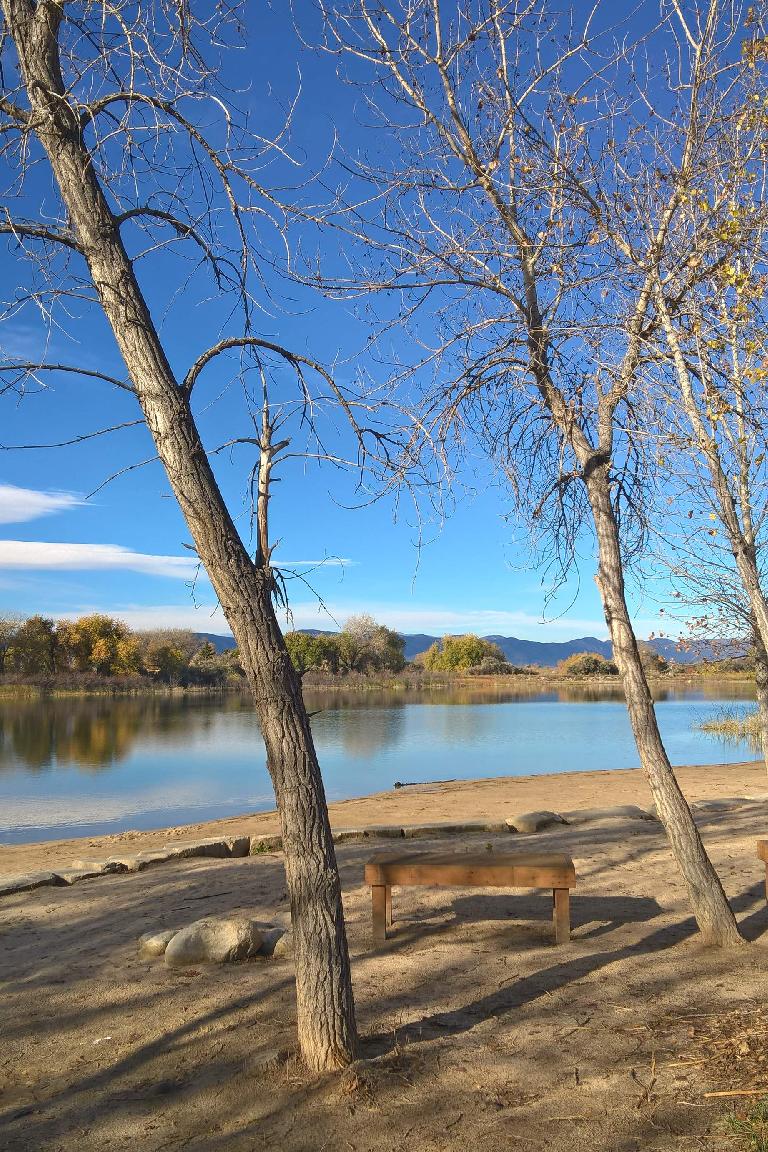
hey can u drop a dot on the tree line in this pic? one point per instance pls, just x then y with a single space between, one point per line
100 646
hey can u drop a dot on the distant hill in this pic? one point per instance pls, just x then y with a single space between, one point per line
220 643
543 654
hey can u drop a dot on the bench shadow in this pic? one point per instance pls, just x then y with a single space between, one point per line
591 916
520 992
752 900
565 970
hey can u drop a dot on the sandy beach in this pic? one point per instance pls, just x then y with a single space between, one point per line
475 1028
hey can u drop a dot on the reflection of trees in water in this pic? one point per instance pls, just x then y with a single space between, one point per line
95 733
359 732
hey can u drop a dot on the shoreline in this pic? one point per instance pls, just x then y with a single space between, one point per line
484 798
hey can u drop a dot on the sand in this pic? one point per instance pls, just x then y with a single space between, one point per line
475 1028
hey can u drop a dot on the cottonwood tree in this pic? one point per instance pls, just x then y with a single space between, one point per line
712 413
149 156
537 161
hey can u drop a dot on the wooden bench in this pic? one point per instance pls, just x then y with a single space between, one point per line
762 853
471 870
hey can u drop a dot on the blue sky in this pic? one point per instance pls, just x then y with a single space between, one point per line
69 545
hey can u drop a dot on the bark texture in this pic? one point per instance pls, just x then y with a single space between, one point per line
326 1020
711 908
761 691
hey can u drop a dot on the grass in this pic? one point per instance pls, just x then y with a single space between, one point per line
752 1126
734 726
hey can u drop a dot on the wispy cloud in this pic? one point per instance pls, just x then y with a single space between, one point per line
18 505
39 555
201 618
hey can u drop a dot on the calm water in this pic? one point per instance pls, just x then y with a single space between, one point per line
86 766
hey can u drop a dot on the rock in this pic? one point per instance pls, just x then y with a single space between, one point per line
100 867
155 943
214 941
414 831
239 846
727 804
615 812
154 856
259 844
375 831
75 875
271 934
30 880
282 949
532 821
133 863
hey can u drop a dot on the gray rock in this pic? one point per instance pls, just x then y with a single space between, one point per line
100 867
30 880
414 831
727 804
239 846
155 943
154 856
373 832
260 844
532 821
271 934
75 875
615 812
283 947
128 863
214 941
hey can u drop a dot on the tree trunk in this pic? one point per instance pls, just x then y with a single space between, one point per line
714 915
326 1021
761 691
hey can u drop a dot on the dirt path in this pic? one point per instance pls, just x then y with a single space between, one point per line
477 1031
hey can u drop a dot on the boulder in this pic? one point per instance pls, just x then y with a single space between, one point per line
373 832
100 867
425 831
614 812
75 875
132 863
283 947
727 804
532 821
259 844
214 941
155 943
30 880
271 935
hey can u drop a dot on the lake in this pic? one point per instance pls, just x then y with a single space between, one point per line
86 766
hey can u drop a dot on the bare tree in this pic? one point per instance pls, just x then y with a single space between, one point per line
150 157
536 165
712 412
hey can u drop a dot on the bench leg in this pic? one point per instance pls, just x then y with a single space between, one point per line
766 880
381 911
561 914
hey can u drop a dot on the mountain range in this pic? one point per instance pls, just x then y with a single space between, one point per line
543 654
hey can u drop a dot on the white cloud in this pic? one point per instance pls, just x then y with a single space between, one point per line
204 618
40 555
17 505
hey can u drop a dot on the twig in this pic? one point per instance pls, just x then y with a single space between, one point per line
739 1092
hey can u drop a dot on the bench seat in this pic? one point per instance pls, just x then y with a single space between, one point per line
470 870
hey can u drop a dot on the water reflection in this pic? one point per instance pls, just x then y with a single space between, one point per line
77 766
94 734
